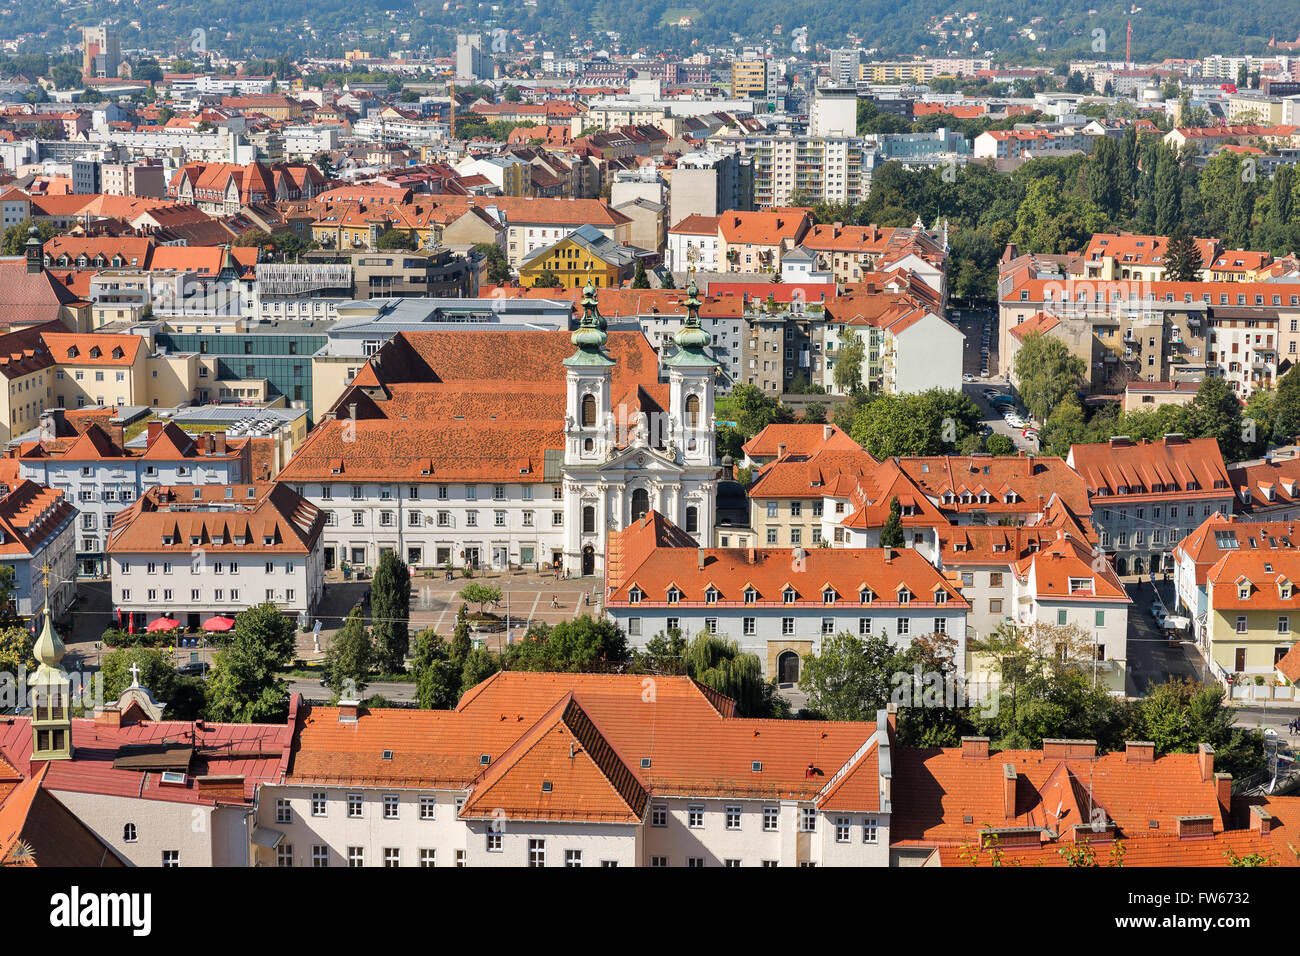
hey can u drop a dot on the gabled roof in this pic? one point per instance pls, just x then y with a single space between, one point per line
941 797
682 739
770 570
562 768
1157 471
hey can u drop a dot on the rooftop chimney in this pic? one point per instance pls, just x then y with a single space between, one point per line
1223 790
219 440
153 430
699 557
780 450
827 432
349 711
1261 821
975 748
1140 751
1205 756
1009 791
1069 749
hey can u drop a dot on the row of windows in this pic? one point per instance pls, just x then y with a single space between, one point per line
444 519
749 626
355 806
733 819
788 596
441 492
218 567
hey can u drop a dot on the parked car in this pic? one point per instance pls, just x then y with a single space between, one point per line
194 669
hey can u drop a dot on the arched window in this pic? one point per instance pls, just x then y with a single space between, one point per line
787 668
589 411
588 520
640 503
692 411
128 833
692 520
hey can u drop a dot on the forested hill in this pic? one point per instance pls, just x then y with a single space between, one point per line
1020 30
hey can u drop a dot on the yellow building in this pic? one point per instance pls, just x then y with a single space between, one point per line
584 253
749 78
1252 605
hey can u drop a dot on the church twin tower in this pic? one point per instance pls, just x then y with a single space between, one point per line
628 454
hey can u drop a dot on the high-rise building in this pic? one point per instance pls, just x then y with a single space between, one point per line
101 51
753 79
473 62
846 67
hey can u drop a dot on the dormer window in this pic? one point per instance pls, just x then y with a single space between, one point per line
828 596
940 596
1010 498
268 539
711 595
1081 586
949 497
865 596
118 353
1284 590
96 351
674 595
904 596
789 595
985 497
966 497
73 351
1243 591
634 596
751 596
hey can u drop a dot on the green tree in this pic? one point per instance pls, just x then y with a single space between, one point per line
1216 413
1178 716
848 363
582 644
16 236
664 653
639 278
998 444
891 534
65 76
349 658
1046 373
16 643
548 280
1286 406
437 676
1182 258
480 594
719 664
498 268
182 696
397 239
850 678
479 666
390 596
244 686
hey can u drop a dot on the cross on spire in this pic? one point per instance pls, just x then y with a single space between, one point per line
135 674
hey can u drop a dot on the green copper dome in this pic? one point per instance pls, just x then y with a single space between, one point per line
590 335
690 338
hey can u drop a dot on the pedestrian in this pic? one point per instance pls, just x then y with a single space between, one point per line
555 605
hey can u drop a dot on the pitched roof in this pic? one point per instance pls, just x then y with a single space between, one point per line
239 519
799 439
589 736
941 797
636 564
1172 468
